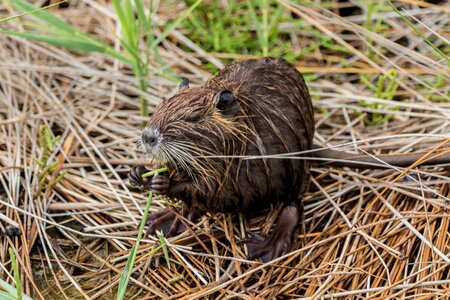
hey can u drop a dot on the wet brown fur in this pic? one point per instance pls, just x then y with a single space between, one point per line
274 116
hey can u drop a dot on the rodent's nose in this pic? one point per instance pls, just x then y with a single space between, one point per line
150 136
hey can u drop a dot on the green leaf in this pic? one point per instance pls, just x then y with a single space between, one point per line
11 291
31 12
16 274
162 240
42 15
126 273
63 42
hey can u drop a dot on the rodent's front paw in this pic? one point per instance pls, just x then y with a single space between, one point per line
160 184
135 176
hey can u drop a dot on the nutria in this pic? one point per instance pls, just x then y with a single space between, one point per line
256 107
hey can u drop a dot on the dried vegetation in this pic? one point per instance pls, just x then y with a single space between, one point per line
369 233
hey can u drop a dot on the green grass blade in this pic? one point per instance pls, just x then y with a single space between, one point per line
252 12
173 25
126 21
62 34
31 12
68 43
436 49
126 274
10 292
150 37
265 27
16 274
141 15
9 289
6 296
274 24
164 248
42 15
155 172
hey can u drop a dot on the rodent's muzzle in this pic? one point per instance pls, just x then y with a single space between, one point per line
151 137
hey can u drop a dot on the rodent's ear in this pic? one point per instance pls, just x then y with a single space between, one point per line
225 101
184 84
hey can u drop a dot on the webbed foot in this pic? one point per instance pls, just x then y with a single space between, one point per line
267 249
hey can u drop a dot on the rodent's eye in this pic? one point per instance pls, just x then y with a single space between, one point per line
226 103
193 119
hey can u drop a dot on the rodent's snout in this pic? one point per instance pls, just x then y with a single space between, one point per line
150 137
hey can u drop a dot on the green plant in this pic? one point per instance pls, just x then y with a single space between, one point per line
376 25
438 82
419 33
137 35
385 88
126 273
252 28
262 29
163 244
47 167
9 292
55 31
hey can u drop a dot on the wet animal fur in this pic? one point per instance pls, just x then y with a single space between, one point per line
200 141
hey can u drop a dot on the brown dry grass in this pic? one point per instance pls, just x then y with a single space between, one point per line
369 233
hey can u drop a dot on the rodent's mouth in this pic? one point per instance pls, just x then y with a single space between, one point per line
167 164
177 159
164 162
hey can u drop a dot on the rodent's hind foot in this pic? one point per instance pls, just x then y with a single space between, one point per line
267 249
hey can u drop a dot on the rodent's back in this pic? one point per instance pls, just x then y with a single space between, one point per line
271 87
277 107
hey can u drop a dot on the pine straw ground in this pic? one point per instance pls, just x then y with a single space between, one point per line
369 233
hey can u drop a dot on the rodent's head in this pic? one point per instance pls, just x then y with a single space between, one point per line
192 125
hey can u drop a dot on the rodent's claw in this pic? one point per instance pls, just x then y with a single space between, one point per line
280 241
135 177
267 249
160 184
165 220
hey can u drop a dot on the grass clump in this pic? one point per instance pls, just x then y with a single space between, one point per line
385 88
47 167
138 41
55 31
253 28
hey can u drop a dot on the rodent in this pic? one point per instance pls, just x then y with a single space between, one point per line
251 108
